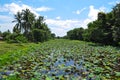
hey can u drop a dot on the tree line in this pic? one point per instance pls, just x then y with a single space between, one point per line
28 28
105 30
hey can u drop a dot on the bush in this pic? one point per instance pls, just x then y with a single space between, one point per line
16 38
21 38
40 35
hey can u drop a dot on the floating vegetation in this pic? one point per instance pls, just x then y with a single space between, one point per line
66 60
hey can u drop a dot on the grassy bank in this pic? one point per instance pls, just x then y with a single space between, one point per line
12 52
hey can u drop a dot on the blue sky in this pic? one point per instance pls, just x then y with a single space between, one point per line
61 15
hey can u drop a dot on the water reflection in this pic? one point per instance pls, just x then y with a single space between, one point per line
66 67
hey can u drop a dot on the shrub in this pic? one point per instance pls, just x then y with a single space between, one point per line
16 38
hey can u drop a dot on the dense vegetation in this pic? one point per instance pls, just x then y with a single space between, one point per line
12 51
105 30
75 61
28 28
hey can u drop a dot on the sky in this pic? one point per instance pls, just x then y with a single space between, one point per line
60 15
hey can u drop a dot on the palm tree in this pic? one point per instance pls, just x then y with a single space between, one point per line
18 20
28 20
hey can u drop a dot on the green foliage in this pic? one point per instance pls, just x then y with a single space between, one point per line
105 30
6 47
66 60
14 77
40 30
99 31
117 74
116 26
39 35
5 34
75 34
13 52
16 38
27 25
21 38
53 35
86 35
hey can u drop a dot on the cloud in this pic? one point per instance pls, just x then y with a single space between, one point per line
79 11
6 26
60 27
114 2
58 17
43 9
4 18
13 8
58 31
6 23
65 24
93 13
57 25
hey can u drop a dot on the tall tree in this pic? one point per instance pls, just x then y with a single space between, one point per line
29 26
116 27
41 29
18 19
28 20
100 30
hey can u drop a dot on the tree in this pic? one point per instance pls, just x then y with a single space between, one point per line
39 22
28 20
24 22
18 19
53 35
75 34
105 30
100 30
5 34
116 27
39 27
39 35
29 26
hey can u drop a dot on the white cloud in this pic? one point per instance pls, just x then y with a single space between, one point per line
114 2
65 24
93 13
43 9
57 25
58 31
60 27
6 26
5 19
58 17
13 8
79 11
6 23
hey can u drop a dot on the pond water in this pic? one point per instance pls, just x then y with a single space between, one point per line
66 67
